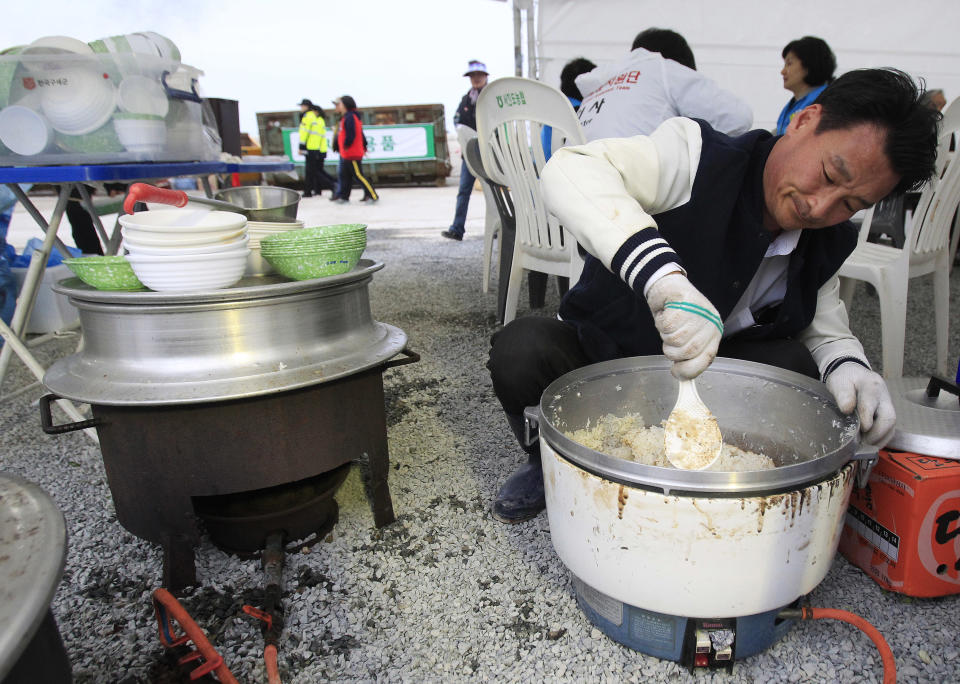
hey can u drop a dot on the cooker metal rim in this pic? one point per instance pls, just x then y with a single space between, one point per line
671 480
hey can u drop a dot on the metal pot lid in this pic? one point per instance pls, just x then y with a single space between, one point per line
33 549
248 288
788 416
929 426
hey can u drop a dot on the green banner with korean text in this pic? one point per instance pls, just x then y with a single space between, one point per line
401 142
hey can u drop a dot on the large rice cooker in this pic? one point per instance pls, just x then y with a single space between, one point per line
695 566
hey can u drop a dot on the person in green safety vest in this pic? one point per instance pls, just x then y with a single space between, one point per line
313 145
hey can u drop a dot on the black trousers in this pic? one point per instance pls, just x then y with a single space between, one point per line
81 225
531 352
350 169
315 178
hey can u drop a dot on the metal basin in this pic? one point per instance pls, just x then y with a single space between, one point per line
265 334
263 202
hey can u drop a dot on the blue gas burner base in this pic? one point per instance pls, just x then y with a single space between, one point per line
692 642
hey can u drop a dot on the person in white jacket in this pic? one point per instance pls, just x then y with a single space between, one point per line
699 244
656 81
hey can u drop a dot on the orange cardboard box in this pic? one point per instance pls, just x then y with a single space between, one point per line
903 528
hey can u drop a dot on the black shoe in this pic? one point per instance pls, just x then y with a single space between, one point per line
521 497
308 194
371 200
449 234
334 198
339 200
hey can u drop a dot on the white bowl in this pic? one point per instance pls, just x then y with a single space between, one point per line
189 271
24 131
142 95
137 238
187 221
80 100
239 243
141 135
45 56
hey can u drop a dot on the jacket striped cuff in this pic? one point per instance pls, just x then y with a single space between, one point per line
833 365
641 256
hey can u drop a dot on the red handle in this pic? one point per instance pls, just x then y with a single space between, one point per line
142 192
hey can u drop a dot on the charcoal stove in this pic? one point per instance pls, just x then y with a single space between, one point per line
251 391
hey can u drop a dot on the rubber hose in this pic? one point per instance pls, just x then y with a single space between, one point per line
886 655
270 659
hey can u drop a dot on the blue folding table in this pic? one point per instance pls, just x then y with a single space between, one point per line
71 177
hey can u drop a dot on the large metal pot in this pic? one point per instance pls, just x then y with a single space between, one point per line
695 543
266 334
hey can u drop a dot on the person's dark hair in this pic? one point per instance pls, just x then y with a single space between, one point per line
668 43
890 99
319 111
817 58
571 70
348 102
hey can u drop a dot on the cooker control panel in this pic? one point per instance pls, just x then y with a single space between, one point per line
709 643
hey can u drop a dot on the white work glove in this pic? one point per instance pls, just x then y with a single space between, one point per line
688 323
855 386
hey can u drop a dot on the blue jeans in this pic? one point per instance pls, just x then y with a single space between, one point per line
463 200
8 285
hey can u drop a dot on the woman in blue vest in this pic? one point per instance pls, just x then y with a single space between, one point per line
808 66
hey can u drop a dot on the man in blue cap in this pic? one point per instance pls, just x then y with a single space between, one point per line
466 115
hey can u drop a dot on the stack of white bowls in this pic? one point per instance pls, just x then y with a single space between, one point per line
258 230
180 250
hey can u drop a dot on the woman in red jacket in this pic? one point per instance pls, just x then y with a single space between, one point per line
351 145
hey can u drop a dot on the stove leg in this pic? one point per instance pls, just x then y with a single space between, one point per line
179 569
375 469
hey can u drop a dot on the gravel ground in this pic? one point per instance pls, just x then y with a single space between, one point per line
446 593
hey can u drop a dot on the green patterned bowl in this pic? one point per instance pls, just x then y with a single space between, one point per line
318 265
105 272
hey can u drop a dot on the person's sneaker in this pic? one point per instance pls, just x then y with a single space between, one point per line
335 199
371 200
308 194
450 235
521 497
339 200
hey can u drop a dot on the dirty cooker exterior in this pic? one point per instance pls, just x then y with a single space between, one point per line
694 543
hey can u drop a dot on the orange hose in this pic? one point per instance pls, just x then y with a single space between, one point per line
195 633
886 655
270 658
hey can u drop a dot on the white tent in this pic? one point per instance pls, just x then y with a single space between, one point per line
738 42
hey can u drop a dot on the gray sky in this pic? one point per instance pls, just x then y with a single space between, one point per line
270 54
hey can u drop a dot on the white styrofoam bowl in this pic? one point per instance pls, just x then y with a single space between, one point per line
239 243
189 271
185 221
131 236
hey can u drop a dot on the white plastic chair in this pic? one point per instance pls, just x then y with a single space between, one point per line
491 218
511 113
951 125
926 250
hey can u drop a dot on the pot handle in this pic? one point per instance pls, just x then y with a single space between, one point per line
867 456
531 425
46 418
411 357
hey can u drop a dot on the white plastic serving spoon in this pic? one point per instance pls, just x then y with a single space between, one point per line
690 434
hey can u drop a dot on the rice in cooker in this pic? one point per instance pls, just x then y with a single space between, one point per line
627 437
